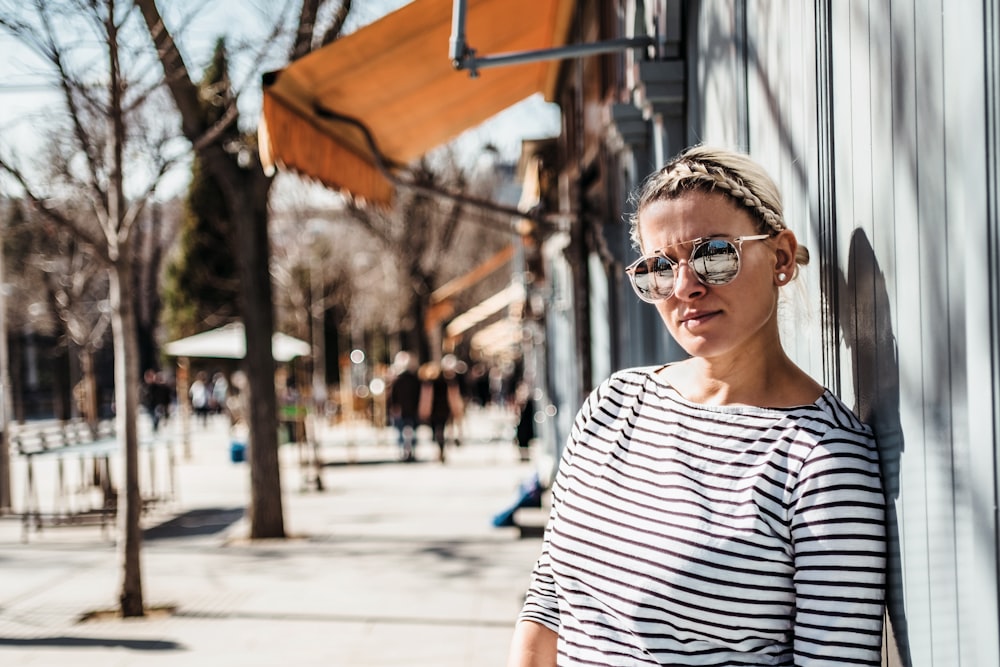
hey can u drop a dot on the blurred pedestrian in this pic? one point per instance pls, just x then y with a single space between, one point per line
454 371
404 403
525 431
148 399
438 395
220 387
199 394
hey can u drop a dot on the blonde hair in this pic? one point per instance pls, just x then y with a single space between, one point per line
707 169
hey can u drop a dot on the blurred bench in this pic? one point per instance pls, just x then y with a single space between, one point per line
80 459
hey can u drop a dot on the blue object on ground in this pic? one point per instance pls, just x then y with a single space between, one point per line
237 452
529 494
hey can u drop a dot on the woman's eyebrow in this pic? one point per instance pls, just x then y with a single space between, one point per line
706 237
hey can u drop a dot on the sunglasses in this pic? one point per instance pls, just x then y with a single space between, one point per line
715 261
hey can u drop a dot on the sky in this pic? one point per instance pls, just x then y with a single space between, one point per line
26 99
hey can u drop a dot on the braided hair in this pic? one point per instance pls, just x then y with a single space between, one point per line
707 169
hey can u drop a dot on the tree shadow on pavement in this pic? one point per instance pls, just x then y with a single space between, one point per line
195 523
457 559
93 642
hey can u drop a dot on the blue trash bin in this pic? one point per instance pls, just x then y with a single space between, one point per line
237 452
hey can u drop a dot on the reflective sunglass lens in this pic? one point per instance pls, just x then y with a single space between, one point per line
654 278
716 262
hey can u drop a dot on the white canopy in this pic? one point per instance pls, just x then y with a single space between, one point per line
230 342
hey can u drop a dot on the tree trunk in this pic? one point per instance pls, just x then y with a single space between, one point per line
121 254
253 250
126 403
247 192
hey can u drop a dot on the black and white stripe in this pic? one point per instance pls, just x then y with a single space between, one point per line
684 534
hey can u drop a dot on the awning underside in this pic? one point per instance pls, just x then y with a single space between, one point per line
395 76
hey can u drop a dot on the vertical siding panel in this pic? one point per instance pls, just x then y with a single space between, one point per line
808 337
823 189
881 201
843 132
934 290
720 75
767 84
880 405
856 232
801 168
798 174
969 299
909 604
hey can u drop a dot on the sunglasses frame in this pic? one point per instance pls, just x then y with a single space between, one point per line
736 242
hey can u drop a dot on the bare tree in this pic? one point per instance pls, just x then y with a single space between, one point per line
432 239
99 105
246 189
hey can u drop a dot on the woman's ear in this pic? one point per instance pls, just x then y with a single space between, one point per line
785 246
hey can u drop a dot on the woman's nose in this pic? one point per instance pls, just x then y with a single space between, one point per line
686 283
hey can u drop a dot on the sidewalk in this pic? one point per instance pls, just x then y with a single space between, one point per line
393 564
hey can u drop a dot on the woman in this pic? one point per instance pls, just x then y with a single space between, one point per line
726 509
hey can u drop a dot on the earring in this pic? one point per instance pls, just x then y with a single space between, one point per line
782 277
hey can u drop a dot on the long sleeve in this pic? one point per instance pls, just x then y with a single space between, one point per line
838 537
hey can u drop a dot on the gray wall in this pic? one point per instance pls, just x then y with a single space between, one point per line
879 121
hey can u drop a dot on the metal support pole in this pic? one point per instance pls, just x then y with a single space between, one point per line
464 57
457 47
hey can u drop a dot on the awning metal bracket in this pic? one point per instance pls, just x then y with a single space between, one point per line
464 57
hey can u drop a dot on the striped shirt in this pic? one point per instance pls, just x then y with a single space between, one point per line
685 534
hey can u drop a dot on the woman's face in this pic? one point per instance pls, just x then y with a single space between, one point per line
714 321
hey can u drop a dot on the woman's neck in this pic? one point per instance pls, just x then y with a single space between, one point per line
770 380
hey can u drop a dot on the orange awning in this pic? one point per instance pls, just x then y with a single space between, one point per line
395 76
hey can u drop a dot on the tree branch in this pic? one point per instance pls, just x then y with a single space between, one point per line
333 32
54 215
175 71
302 44
66 84
139 202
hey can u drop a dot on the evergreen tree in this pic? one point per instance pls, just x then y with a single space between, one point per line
201 285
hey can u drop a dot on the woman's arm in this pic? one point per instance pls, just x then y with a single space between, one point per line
533 645
838 534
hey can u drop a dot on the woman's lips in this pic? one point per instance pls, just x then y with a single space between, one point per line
694 320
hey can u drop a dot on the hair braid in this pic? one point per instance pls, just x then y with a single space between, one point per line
688 174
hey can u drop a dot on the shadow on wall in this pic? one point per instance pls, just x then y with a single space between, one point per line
865 319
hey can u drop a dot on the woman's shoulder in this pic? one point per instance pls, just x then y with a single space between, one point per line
621 389
839 417
634 375
627 382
